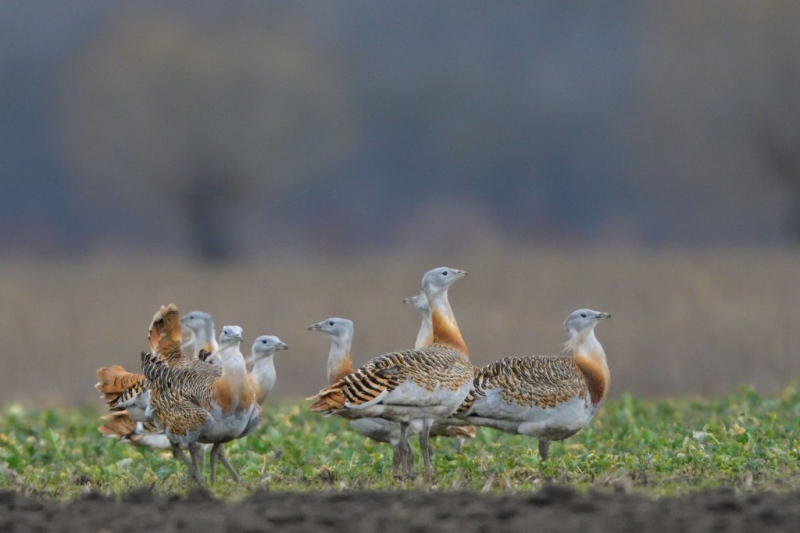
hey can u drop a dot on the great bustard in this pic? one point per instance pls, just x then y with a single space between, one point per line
411 386
546 397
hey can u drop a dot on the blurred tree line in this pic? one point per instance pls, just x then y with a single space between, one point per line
236 128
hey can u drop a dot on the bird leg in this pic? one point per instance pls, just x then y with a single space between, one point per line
459 445
403 456
404 450
544 447
212 462
224 460
197 457
396 459
178 453
425 444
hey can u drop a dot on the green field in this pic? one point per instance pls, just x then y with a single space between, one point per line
745 441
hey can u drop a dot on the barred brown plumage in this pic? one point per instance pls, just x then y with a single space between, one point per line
422 385
123 390
549 397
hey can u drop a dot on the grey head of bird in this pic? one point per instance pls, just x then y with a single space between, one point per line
583 320
230 335
439 279
267 345
334 326
418 302
196 320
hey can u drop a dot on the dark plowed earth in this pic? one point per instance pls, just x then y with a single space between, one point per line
551 509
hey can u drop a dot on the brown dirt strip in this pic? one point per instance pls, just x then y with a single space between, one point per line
550 509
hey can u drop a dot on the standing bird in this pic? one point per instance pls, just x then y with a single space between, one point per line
411 386
203 335
202 403
340 331
425 338
546 397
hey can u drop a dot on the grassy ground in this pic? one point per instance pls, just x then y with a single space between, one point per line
744 441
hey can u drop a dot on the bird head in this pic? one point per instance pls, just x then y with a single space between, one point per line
334 326
582 321
267 345
418 302
230 335
439 279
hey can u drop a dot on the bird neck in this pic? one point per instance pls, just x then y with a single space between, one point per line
205 338
425 335
443 323
235 377
263 375
339 362
591 360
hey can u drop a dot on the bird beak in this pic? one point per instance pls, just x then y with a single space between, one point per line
603 315
281 346
461 273
314 327
408 300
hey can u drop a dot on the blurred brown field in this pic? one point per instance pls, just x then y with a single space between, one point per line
698 323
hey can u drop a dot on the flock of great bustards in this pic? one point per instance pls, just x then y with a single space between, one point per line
199 393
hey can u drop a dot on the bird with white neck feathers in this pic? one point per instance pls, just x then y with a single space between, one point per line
202 403
262 375
425 334
546 397
411 386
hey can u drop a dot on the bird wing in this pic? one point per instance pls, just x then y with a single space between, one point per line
542 381
180 396
433 367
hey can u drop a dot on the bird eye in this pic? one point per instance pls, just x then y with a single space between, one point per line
264 341
583 315
330 323
444 273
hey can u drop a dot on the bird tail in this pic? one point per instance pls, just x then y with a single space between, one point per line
462 432
327 401
121 426
114 382
117 425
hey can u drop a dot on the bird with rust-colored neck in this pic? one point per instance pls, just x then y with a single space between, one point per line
340 331
546 397
419 386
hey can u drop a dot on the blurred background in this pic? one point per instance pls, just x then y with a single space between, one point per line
275 163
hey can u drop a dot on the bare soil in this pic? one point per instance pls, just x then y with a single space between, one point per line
552 508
